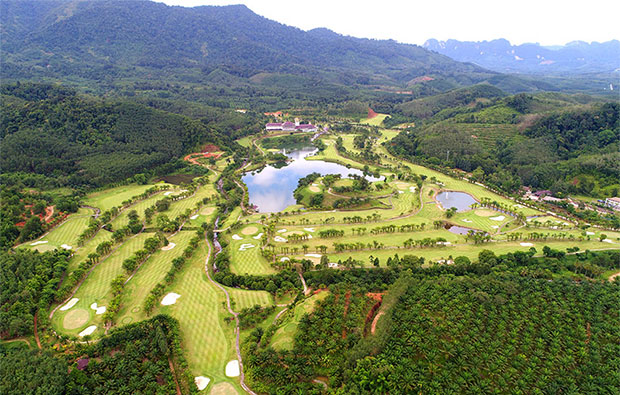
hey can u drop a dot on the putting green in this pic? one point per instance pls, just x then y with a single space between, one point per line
207 210
249 230
75 318
485 213
314 189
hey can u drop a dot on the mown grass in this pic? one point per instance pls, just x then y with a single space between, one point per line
283 337
108 198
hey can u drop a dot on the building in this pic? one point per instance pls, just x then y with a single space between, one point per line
291 127
613 203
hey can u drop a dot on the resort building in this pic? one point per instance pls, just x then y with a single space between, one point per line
613 203
291 127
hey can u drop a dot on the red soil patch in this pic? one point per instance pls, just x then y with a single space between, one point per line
319 290
371 315
192 158
371 113
424 78
374 322
378 296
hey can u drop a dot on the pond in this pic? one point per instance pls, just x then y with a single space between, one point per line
459 230
461 200
271 189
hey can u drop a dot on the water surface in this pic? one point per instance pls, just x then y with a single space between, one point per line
271 189
461 200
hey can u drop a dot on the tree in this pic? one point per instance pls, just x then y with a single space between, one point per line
32 229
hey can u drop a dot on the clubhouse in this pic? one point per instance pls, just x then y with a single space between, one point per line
291 127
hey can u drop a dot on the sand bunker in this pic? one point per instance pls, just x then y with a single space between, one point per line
167 193
519 206
249 230
246 246
494 226
526 244
282 231
412 189
168 247
232 368
258 236
169 299
66 246
285 259
237 237
69 304
401 191
194 216
314 255
201 382
311 230
98 309
280 239
314 189
468 221
36 243
88 331
590 233
608 241
498 218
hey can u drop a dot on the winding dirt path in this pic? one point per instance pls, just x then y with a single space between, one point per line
36 330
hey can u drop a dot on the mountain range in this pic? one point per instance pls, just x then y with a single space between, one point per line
500 55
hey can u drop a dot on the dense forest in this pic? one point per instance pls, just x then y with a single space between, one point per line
522 140
133 360
472 327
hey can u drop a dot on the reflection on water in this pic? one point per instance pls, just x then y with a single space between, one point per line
461 200
271 189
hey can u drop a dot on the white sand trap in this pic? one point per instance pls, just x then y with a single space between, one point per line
498 218
608 241
401 191
237 237
258 236
169 299
167 193
309 236
311 230
183 190
519 206
315 185
590 233
201 382
168 247
36 243
280 239
88 331
314 255
412 189
69 304
232 368
98 309
66 246
285 259
526 244
194 216
282 231
469 221
494 226
246 246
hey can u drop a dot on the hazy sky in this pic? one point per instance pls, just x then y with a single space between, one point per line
548 22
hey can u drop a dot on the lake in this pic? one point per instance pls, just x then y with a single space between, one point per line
461 200
271 189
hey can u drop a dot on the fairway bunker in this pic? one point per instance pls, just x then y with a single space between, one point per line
69 304
66 246
467 221
232 368
246 246
237 237
498 218
36 243
168 247
98 309
311 230
258 236
281 230
313 255
170 299
280 239
201 382
526 244
194 216
88 331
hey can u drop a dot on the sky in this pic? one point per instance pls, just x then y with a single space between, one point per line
548 22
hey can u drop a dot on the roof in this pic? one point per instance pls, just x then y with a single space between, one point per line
274 124
288 124
614 199
306 126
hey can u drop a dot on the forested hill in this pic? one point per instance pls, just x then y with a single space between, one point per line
53 131
104 40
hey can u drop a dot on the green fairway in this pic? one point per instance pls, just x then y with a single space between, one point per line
376 121
114 197
246 257
96 287
66 233
283 337
243 298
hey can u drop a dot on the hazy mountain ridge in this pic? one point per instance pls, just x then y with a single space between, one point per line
500 55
